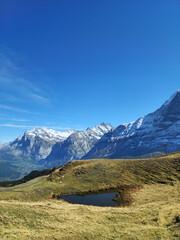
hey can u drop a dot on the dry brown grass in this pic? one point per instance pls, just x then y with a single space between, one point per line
153 214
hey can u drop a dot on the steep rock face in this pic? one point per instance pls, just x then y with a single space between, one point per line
36 143
146 135
76 145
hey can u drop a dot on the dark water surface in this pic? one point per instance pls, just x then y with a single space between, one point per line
101 199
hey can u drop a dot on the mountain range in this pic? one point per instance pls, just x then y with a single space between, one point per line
145 136
41 148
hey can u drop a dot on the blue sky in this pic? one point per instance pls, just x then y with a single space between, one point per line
73 64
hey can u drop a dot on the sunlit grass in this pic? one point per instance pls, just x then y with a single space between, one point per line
29 212
53 219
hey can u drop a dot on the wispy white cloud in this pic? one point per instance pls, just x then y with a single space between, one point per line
16 109
13 125
19 120
14 80
21 87
38 97
14 119
8 59
20 94
32 126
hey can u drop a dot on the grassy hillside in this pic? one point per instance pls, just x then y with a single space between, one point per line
101 174
29 212
30 176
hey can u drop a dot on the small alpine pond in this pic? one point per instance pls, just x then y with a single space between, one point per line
98 199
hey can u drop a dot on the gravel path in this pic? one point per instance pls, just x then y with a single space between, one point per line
24 185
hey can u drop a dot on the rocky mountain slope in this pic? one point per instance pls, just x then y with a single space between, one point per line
76 145
41 148
36 143
146 135
46 148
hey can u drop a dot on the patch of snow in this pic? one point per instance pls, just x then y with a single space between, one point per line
140 122
49 134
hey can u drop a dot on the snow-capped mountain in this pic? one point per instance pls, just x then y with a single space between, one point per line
76 145
146 135
49 134
36 143
41 148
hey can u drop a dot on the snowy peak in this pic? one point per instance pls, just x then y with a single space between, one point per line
146 135
95 132
99 130
37 143
49 134
167 115
103 127
77 144
59 136
105 124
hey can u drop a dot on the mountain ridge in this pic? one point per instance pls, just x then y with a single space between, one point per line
160 126
76 145
46 148
30 151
